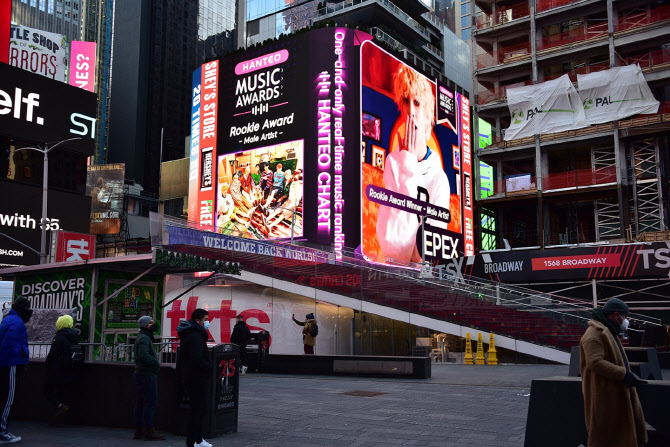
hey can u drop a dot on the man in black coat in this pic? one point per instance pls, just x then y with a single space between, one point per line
194 368
241 336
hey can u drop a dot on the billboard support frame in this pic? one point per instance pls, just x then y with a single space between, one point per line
45 191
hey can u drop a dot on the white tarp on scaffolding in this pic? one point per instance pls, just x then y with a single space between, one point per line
614 94
552 106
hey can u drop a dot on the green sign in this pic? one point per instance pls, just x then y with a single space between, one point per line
485 180
485 134
130 304
60 291
183 260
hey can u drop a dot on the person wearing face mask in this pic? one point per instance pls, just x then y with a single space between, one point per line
193 369
611 406
147 366
14 357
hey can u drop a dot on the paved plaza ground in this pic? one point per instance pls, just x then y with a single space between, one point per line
460 405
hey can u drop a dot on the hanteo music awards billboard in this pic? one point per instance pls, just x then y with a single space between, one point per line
415 164
308 137
274 132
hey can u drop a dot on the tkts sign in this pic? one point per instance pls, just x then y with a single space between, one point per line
67 246
605 262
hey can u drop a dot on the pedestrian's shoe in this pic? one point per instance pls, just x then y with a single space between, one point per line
139 434
243 370
203 443
8 438
153 435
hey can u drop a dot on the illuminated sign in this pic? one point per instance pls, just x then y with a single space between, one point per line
411 168
41 110
204 137
260 192
284 103
467 175
82 69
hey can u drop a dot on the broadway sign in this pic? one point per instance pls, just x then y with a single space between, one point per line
580 263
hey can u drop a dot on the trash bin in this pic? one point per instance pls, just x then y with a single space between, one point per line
221 410
257 350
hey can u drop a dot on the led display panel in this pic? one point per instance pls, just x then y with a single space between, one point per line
414 171
260 190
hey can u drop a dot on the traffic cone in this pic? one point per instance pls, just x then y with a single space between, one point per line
493 356
467 360
480 360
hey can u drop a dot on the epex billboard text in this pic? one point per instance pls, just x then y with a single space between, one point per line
278 135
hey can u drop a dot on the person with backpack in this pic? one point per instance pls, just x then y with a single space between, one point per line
309 332
64 355
241 335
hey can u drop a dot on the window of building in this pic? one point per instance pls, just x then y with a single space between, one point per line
465 34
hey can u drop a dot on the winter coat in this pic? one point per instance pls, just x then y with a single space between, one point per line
241 334
193 360
612 410
13 340
146 359
306 337
59 361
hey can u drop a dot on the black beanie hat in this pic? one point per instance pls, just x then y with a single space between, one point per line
615 305
21 303
310 316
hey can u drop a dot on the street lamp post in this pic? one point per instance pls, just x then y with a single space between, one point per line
45 187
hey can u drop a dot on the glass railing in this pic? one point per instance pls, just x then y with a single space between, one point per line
335 7
469 302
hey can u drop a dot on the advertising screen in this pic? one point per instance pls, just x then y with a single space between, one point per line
105 186
82 69
38 51
292 102
41 110
259 190
20 215
413 171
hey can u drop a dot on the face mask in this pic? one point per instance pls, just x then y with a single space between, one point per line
153 328
25 314
206 325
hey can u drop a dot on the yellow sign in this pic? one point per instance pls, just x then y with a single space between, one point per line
468 350
480 360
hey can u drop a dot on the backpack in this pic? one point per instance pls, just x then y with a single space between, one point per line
314 330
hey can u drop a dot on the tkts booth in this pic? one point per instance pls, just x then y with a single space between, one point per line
106 297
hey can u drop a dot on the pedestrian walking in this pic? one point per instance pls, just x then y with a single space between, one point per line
64 355
309 332
14 357
612 408
147 366
194 369
241 335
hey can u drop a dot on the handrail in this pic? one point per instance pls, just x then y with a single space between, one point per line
520 298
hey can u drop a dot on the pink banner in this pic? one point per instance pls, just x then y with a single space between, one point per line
82 65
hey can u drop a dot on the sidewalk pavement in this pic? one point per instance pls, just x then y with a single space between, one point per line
460 405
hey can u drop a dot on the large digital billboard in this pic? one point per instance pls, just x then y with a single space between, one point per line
42 110
105 186
21 213
411 167
204 132
294 103
260 190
